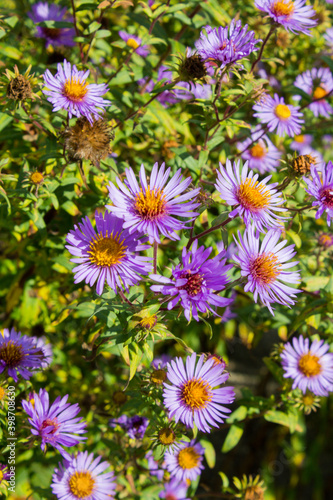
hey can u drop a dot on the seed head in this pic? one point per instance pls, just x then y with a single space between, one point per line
301 165
88 142
20 87
192 68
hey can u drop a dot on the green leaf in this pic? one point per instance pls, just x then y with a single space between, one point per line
210 454
92 28
233 437
238 415
289 419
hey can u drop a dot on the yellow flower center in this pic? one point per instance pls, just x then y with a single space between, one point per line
32 401
309 365
166 436
36 177
81 484
11 353
74 89
158 377
196 394
319 93
265 268
1 476
149 322
2 393
283 8
132 43
308 399
253 196
106 250
258 151
282 111
188 458
299 138
150 204
170 496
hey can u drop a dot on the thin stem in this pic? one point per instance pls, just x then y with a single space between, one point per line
134 113
291 209
210 230
271 30
124 63
82 173
77 30
125 299
284 184
155 256
38 125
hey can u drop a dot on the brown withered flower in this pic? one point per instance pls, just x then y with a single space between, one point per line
301 165
192 68
250 488
20 87
88 142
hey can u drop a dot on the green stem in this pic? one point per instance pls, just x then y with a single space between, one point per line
210 230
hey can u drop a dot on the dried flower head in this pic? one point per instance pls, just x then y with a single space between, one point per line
301 165
192 68
88 142
20 87
249 488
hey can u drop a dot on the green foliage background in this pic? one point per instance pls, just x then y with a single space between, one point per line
97 347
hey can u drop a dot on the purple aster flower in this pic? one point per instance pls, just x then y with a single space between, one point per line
318 83
19 355
311 367
256 201
55 425
161 362
68 90
174 490
187 91
284 118
195 281
44 349
264 265
294 16
150 208
321 188
134 42
260 152
83 477
153 466
226 45
4 474
42 11
134 426
193 398
301 142
329 38
108 255
186 461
